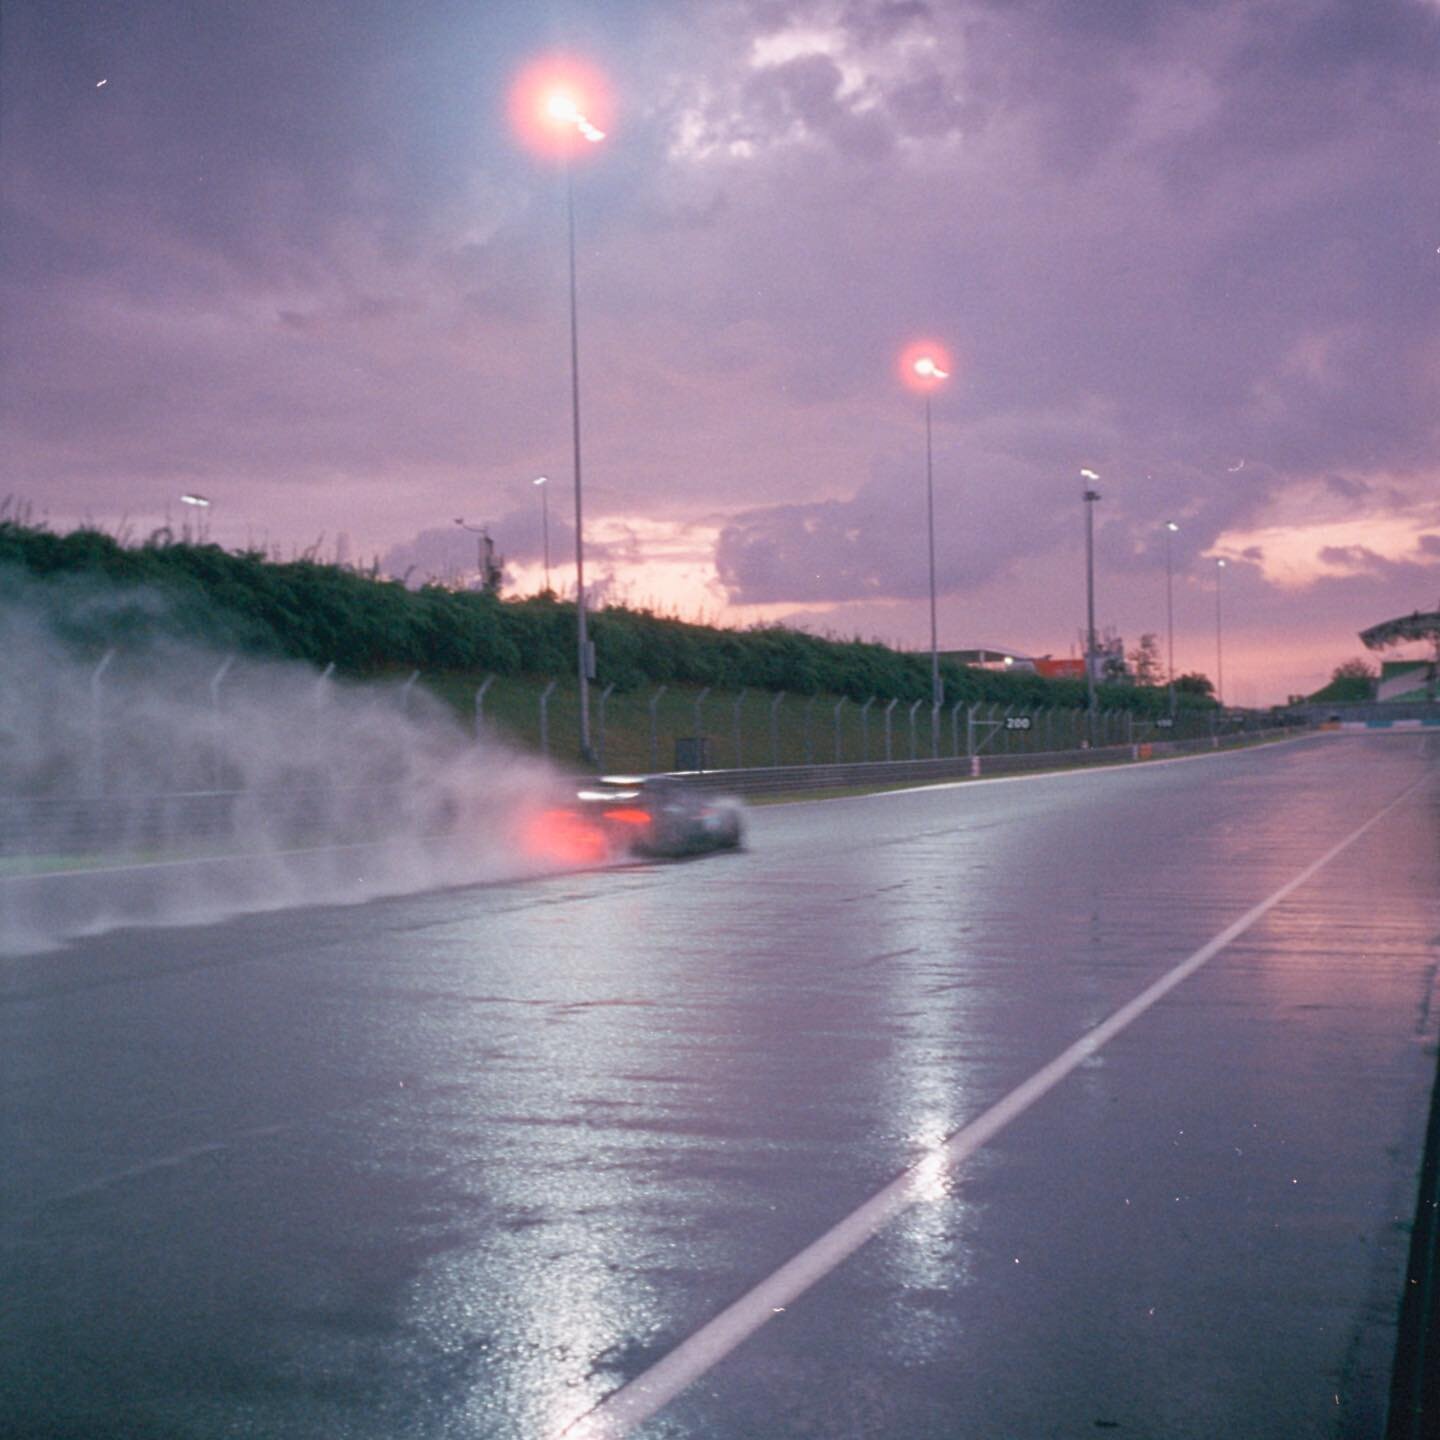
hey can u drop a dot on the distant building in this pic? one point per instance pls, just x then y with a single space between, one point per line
1405 680
1110 665
1070 667
991 657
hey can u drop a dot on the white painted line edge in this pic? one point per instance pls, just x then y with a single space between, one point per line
637 1400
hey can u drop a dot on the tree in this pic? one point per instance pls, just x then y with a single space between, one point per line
1357 669
1145 661
1352 680
1197 685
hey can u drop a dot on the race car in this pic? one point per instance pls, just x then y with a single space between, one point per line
655 817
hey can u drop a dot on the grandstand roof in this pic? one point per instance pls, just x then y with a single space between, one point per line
1421 625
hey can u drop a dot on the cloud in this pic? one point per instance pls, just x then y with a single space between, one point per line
294 258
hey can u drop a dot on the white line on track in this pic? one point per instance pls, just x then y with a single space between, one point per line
634 1402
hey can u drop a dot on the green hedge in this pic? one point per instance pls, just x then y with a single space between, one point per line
368 626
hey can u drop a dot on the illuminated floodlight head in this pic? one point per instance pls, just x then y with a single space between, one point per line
924 365
560 106
563 108
541 480
1220 564
192 499
1089 475
1171 526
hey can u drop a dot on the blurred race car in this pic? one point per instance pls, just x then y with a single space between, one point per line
621 815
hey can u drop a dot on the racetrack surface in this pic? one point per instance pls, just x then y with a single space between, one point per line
463 1163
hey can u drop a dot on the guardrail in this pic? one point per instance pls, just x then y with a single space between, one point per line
786 779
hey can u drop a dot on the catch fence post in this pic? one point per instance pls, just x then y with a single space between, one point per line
545 717
865 728
775 727
839 705
654 730
970 729
216 680
600 738
889 709
955 728
405 690
809 731
1005 729
322 686
735 728
480 703
700 729
914 743
97 727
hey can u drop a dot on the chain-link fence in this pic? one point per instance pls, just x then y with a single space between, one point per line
252 753
668 727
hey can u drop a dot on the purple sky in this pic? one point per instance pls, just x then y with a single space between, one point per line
291 255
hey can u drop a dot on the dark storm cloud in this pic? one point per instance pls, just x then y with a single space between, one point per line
1130 257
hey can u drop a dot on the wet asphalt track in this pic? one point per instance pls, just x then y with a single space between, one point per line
457 1165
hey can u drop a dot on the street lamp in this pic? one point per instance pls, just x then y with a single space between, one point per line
542 481
201 503
484 554
1219 648
1170 528
558 107
1091 496
925 367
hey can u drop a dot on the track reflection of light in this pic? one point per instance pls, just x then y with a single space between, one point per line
930 1178
555 1320
935 1077
543 1315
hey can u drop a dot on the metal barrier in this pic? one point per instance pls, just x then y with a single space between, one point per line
798 779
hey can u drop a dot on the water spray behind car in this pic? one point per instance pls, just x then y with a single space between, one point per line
159 780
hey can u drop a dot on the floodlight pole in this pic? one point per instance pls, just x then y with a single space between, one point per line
1170 528
582 635
1091 496
1219 647
935 695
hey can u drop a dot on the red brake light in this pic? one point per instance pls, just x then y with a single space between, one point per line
564 836
629 816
